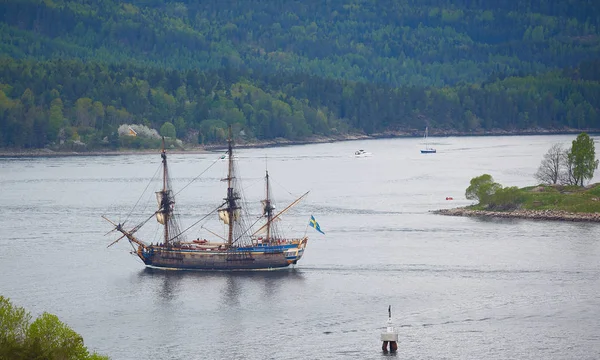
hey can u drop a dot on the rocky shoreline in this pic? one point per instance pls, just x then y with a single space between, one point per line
61 153
555 215
199 149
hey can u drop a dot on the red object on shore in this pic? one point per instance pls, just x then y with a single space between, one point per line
449 198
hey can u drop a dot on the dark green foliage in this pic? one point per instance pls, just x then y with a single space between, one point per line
213 130
73 71
45 338
45 103
505 199
406 42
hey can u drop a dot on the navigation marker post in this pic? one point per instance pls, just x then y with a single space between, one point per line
390 335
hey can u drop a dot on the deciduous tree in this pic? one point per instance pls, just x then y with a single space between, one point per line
582 159
57 119
551 166
168 130
482 188
14 322
45 338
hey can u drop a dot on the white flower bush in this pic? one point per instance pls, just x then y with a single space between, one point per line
141 131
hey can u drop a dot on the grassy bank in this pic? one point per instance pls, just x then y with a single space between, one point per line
543 202
554 197
562 198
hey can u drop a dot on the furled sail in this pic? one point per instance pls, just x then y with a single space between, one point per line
160 197
160 217
266 206
224 215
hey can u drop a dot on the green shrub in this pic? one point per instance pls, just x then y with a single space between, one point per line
506 199
45 338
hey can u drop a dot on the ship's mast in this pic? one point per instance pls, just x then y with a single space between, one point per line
275 217
231 196
165 204
268 209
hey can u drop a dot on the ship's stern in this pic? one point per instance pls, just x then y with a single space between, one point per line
294 254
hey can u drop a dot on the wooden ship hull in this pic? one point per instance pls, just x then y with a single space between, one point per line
245 258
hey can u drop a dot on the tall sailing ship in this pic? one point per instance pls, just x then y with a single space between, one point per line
239 249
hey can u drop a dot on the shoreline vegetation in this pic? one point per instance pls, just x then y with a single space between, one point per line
203 149
542 202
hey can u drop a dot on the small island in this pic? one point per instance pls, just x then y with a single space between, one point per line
543 202
561 195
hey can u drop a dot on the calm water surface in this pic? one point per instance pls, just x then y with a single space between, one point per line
460 288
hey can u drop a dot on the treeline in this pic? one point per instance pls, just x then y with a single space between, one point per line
70 102
407 42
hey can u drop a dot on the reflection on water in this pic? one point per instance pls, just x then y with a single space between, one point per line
289 274
168 283
231 291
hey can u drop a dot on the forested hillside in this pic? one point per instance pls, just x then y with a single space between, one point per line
415 42
70 100
74 71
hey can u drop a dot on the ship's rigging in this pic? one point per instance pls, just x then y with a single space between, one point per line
239 248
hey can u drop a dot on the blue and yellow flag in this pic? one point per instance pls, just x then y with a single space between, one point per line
313 223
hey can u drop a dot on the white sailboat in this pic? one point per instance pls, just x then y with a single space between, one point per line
427 150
